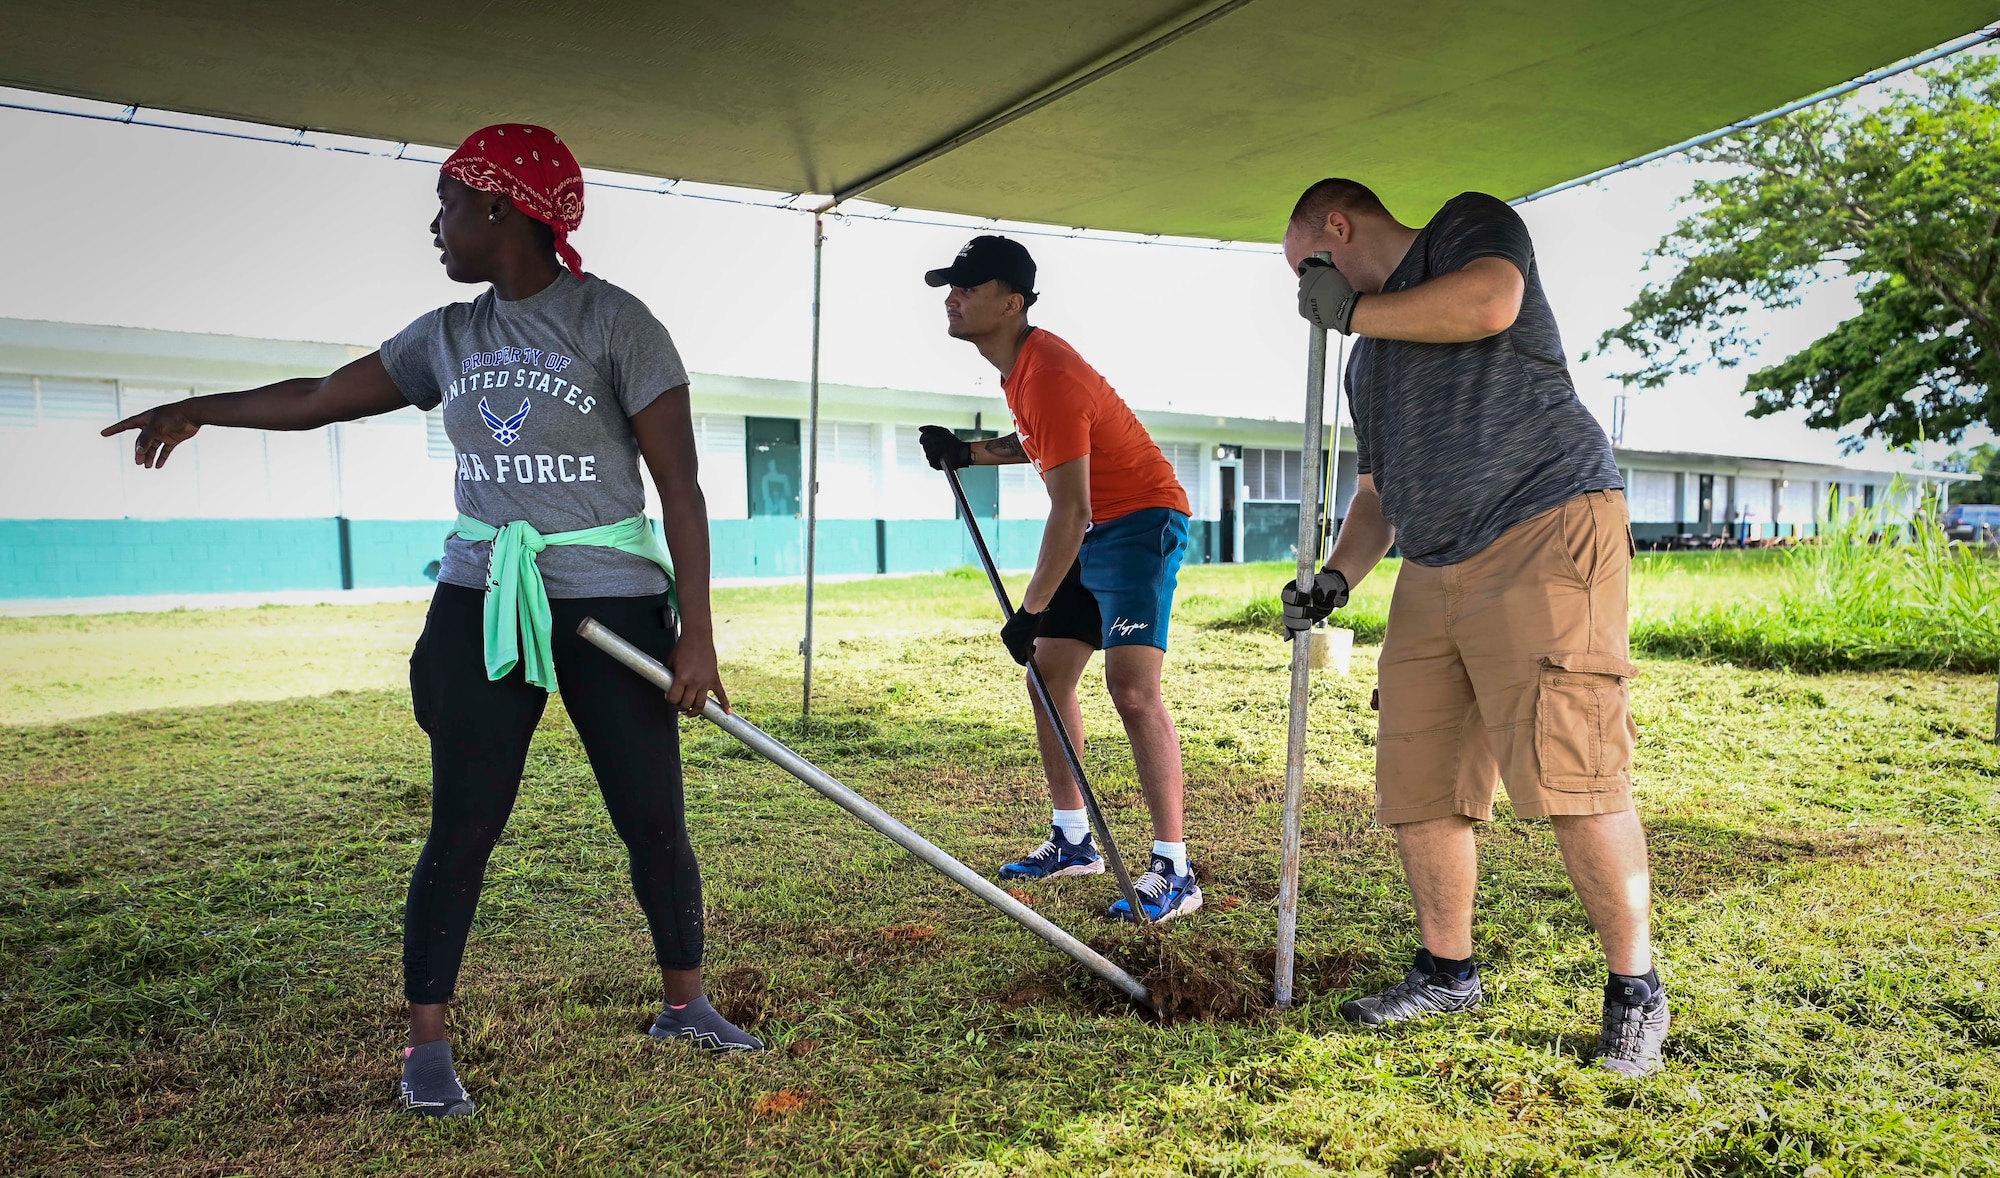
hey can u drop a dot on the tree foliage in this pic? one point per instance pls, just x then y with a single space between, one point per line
1903 194
1984 461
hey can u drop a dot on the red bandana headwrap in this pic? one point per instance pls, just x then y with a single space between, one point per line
534 168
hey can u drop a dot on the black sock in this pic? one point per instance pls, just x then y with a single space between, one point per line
1633 989
1451 969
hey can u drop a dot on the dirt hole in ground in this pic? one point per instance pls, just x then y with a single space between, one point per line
742 994
1192 976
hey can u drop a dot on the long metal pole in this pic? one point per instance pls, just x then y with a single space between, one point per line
773 750
1338 376
1295 737
812 470
1043 700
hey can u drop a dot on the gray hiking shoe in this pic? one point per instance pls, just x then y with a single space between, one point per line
430 1084
1634 1031
701 1024
1423 992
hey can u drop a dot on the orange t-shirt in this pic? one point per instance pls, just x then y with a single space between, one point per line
1064 410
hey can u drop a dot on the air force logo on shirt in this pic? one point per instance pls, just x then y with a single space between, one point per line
509 431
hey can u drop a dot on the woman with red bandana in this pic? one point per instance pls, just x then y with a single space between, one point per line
555 387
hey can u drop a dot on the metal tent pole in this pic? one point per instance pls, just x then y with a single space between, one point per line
1295 740
812 469
784 758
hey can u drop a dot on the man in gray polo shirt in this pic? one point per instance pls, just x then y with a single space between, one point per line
1506 657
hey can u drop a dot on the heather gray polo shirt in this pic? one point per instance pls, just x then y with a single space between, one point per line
1467 440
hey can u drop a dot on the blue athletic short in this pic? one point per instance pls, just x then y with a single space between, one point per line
1120 591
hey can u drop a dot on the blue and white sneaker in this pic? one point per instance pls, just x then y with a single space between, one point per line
1162 894
1056 856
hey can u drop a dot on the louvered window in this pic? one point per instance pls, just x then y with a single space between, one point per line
1271 475
1186 457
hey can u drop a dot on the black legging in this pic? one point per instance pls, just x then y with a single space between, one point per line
479 730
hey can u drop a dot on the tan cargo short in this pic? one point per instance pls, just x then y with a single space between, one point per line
1512 666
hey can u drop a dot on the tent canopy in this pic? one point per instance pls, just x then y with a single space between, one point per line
1210 134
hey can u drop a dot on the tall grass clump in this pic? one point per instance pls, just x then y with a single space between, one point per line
1868 592
1369 622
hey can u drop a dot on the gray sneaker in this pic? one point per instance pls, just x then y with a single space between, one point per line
1423 992
1633 1032
430 1084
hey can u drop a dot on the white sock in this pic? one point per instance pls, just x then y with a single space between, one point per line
1173 852
1074 824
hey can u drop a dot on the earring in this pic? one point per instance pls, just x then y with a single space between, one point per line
493 216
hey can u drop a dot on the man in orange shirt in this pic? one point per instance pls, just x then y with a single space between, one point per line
1111 552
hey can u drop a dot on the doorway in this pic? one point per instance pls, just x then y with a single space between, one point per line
771 454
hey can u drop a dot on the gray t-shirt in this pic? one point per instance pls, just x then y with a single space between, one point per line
1467 440
538 397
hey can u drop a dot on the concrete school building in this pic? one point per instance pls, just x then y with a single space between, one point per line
365 505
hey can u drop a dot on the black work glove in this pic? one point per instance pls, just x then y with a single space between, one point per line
1326 298
1019 635
943 449
1304 609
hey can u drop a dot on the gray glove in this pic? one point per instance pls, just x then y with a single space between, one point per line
1326 298
1305 609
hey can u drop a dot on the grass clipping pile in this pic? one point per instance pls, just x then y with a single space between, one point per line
1194 974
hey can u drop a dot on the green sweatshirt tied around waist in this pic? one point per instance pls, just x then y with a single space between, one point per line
517 604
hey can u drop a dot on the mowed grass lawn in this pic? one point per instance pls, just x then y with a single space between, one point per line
207 823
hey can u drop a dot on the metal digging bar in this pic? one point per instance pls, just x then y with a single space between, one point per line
1043 701
773 750
1295 736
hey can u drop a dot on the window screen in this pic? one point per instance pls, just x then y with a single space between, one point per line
17 400
79 400
1798 502
1650 494
437 443
1186 457
718 435
846 470
1272 475
910 451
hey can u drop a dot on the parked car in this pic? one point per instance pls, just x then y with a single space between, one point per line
1972 522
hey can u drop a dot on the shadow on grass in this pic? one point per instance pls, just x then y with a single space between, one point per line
1692 858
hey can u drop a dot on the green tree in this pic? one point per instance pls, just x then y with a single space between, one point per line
1983 461
1903 194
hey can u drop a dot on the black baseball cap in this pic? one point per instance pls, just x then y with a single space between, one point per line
984 259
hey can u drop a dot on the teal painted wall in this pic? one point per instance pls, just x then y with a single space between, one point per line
1270 531
1204 540
924 545
392 553
123 557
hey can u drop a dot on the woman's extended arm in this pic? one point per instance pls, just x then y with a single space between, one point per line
360 389
665 430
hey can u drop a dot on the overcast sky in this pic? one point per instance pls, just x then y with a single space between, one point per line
149 227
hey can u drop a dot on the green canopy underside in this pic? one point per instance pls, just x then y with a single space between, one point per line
1211 136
